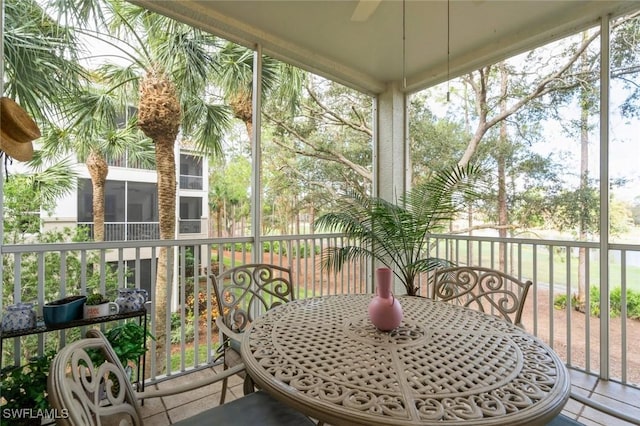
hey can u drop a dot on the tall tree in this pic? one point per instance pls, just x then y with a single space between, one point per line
99 130
563 76
281 83
544 81
171 64
326 146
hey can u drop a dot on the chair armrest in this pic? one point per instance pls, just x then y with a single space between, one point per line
172 390
227 331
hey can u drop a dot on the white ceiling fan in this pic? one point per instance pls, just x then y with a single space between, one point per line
364 10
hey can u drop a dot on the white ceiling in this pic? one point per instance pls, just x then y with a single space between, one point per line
366 52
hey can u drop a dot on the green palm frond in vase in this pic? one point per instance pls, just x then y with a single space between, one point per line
395 233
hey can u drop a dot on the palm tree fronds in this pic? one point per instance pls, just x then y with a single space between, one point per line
395 234
55 181
334 258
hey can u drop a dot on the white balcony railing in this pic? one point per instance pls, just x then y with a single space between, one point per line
127 231
594 344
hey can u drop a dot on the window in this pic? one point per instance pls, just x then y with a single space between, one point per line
190 172
131 209
190 214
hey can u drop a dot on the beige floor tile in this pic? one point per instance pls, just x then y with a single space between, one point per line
619 392
152 406
185 397
582 380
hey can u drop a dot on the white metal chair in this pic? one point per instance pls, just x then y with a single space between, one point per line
484 289
242 293
94 394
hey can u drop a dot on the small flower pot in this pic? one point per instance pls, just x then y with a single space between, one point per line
101 310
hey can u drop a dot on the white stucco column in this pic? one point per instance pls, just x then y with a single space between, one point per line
391 159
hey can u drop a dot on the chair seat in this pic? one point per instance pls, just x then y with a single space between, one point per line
258 408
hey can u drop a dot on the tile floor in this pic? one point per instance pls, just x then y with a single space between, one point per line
614 395
168 410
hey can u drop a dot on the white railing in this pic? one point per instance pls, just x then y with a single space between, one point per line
44 272
126 231
593 343
596 345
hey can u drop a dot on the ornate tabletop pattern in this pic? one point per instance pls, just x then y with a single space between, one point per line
444 364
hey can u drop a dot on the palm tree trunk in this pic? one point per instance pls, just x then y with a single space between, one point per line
159 118
166 172
98 170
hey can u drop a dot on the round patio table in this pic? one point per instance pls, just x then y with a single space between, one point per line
443 365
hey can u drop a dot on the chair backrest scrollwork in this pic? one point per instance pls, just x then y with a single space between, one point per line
249 290
91 393
484 289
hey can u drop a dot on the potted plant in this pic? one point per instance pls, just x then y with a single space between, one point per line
128 343
97 305
394 234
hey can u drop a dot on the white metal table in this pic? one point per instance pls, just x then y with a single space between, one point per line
443 365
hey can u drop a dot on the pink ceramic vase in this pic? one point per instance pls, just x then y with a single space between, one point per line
385 311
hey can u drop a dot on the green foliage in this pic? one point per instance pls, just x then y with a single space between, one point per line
560 302
633 303
189 328
95 299
53 281
578 209
635 211
594 301
22 204
127 341
615 302
237 247
189 261
305 250
189 355
395 234
274 247
25 386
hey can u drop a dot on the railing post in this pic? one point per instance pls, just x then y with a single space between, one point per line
604 197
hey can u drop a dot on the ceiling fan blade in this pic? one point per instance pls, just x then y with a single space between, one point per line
364 10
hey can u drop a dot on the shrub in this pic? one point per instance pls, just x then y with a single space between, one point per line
615 301
633 303
560 302
189 328
306 250
25 386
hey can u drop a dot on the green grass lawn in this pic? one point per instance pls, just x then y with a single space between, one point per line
189 354
547 271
